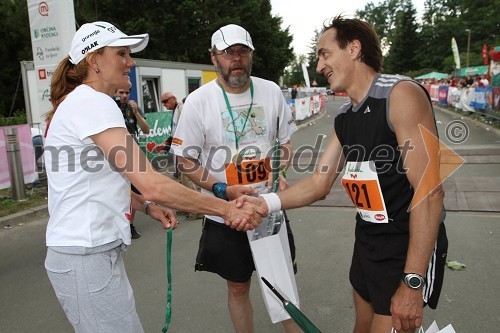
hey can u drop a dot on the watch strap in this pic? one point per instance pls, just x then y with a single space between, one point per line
219 190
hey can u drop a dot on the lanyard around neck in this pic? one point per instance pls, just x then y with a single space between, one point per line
228 105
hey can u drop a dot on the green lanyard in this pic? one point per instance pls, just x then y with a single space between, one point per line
236 137
168 310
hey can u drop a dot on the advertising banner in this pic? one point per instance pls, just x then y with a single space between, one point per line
160 124
52 26
302 108
434 92
454 97
466 99
479 98
496 98
26 152
443 95
314 106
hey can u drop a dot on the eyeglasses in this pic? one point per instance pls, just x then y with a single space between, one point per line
164 101
229 54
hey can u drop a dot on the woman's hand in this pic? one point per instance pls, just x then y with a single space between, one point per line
164 215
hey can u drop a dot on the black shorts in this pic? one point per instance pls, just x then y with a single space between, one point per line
378 263
227 252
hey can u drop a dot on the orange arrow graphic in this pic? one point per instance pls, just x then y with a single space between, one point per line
443 162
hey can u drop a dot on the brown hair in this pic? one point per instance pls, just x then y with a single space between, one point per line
65 79
356 29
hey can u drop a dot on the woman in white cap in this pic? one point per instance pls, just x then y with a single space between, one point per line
91 160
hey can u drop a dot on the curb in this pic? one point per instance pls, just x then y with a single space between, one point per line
475 121
6 222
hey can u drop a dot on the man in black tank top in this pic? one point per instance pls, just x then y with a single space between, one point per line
385 140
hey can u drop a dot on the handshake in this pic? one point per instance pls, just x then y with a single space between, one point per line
247 211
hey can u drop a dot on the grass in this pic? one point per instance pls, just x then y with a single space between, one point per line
35 196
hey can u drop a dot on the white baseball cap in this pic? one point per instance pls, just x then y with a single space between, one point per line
93 36
230 35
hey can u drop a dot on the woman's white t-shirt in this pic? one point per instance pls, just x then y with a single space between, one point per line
89 202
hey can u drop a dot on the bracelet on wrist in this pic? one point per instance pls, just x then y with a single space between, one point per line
145 205
219 190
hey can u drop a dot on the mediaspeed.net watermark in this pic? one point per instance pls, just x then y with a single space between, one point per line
251 161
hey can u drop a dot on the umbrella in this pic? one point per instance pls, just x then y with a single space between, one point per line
432 75
304 323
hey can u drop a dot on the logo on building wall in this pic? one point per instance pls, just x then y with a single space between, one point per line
42 74
43 8
39 53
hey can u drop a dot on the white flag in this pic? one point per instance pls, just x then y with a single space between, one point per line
306 74
456 55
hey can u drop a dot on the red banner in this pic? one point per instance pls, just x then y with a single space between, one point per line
485 54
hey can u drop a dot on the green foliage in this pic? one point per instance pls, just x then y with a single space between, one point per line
182 30
294 75
179 31
430 38
15 46
404 41
18 118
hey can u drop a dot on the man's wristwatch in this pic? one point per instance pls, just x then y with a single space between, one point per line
219 190
414 280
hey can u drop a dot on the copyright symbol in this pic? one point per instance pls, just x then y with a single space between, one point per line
457 131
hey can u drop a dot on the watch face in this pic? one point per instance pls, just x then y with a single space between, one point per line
414 282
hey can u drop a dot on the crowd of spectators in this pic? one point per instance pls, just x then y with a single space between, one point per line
464 82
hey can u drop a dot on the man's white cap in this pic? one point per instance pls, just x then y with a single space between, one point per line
93 36
230 35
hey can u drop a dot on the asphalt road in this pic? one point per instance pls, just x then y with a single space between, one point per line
324 238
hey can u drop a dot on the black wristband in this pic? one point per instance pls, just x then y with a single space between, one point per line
219 190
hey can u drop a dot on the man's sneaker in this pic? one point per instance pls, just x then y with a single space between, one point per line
134 232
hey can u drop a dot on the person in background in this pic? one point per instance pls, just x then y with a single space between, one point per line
91 159
484 81
294 92
469 81
37 140
400 238
134 119
237 115
169 100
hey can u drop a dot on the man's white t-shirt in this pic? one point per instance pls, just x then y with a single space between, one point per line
89 202
207 131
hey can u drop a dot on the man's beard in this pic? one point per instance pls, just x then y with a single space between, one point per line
235 81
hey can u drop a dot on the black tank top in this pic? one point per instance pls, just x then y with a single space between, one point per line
365 133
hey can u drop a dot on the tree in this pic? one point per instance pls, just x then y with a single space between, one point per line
383 18
294 75
312 62
178 30
404 41
15 47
